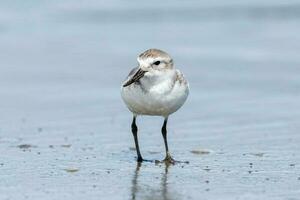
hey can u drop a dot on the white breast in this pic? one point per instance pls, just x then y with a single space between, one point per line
162 98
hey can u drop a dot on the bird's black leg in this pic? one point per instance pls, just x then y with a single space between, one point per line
134 130
164 134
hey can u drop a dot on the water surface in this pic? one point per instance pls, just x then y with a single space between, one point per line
65 132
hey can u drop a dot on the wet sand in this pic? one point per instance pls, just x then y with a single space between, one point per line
65 132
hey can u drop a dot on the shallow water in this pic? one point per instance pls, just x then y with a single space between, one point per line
65 132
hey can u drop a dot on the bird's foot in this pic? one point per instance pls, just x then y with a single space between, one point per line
140 159
170 161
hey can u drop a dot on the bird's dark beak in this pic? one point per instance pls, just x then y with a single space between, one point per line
135 78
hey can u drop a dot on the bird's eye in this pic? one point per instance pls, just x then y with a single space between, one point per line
156 63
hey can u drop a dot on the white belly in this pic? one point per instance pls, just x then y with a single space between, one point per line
160 100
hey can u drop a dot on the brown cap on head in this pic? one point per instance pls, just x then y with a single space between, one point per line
154 53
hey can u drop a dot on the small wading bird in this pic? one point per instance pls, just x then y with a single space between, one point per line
154 88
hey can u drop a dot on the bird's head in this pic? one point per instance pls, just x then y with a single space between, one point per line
153 63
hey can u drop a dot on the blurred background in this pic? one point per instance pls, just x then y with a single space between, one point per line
65 132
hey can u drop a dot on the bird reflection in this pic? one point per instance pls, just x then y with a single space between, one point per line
164 183
148 190
134 188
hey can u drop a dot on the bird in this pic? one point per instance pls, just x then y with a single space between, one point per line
155 88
